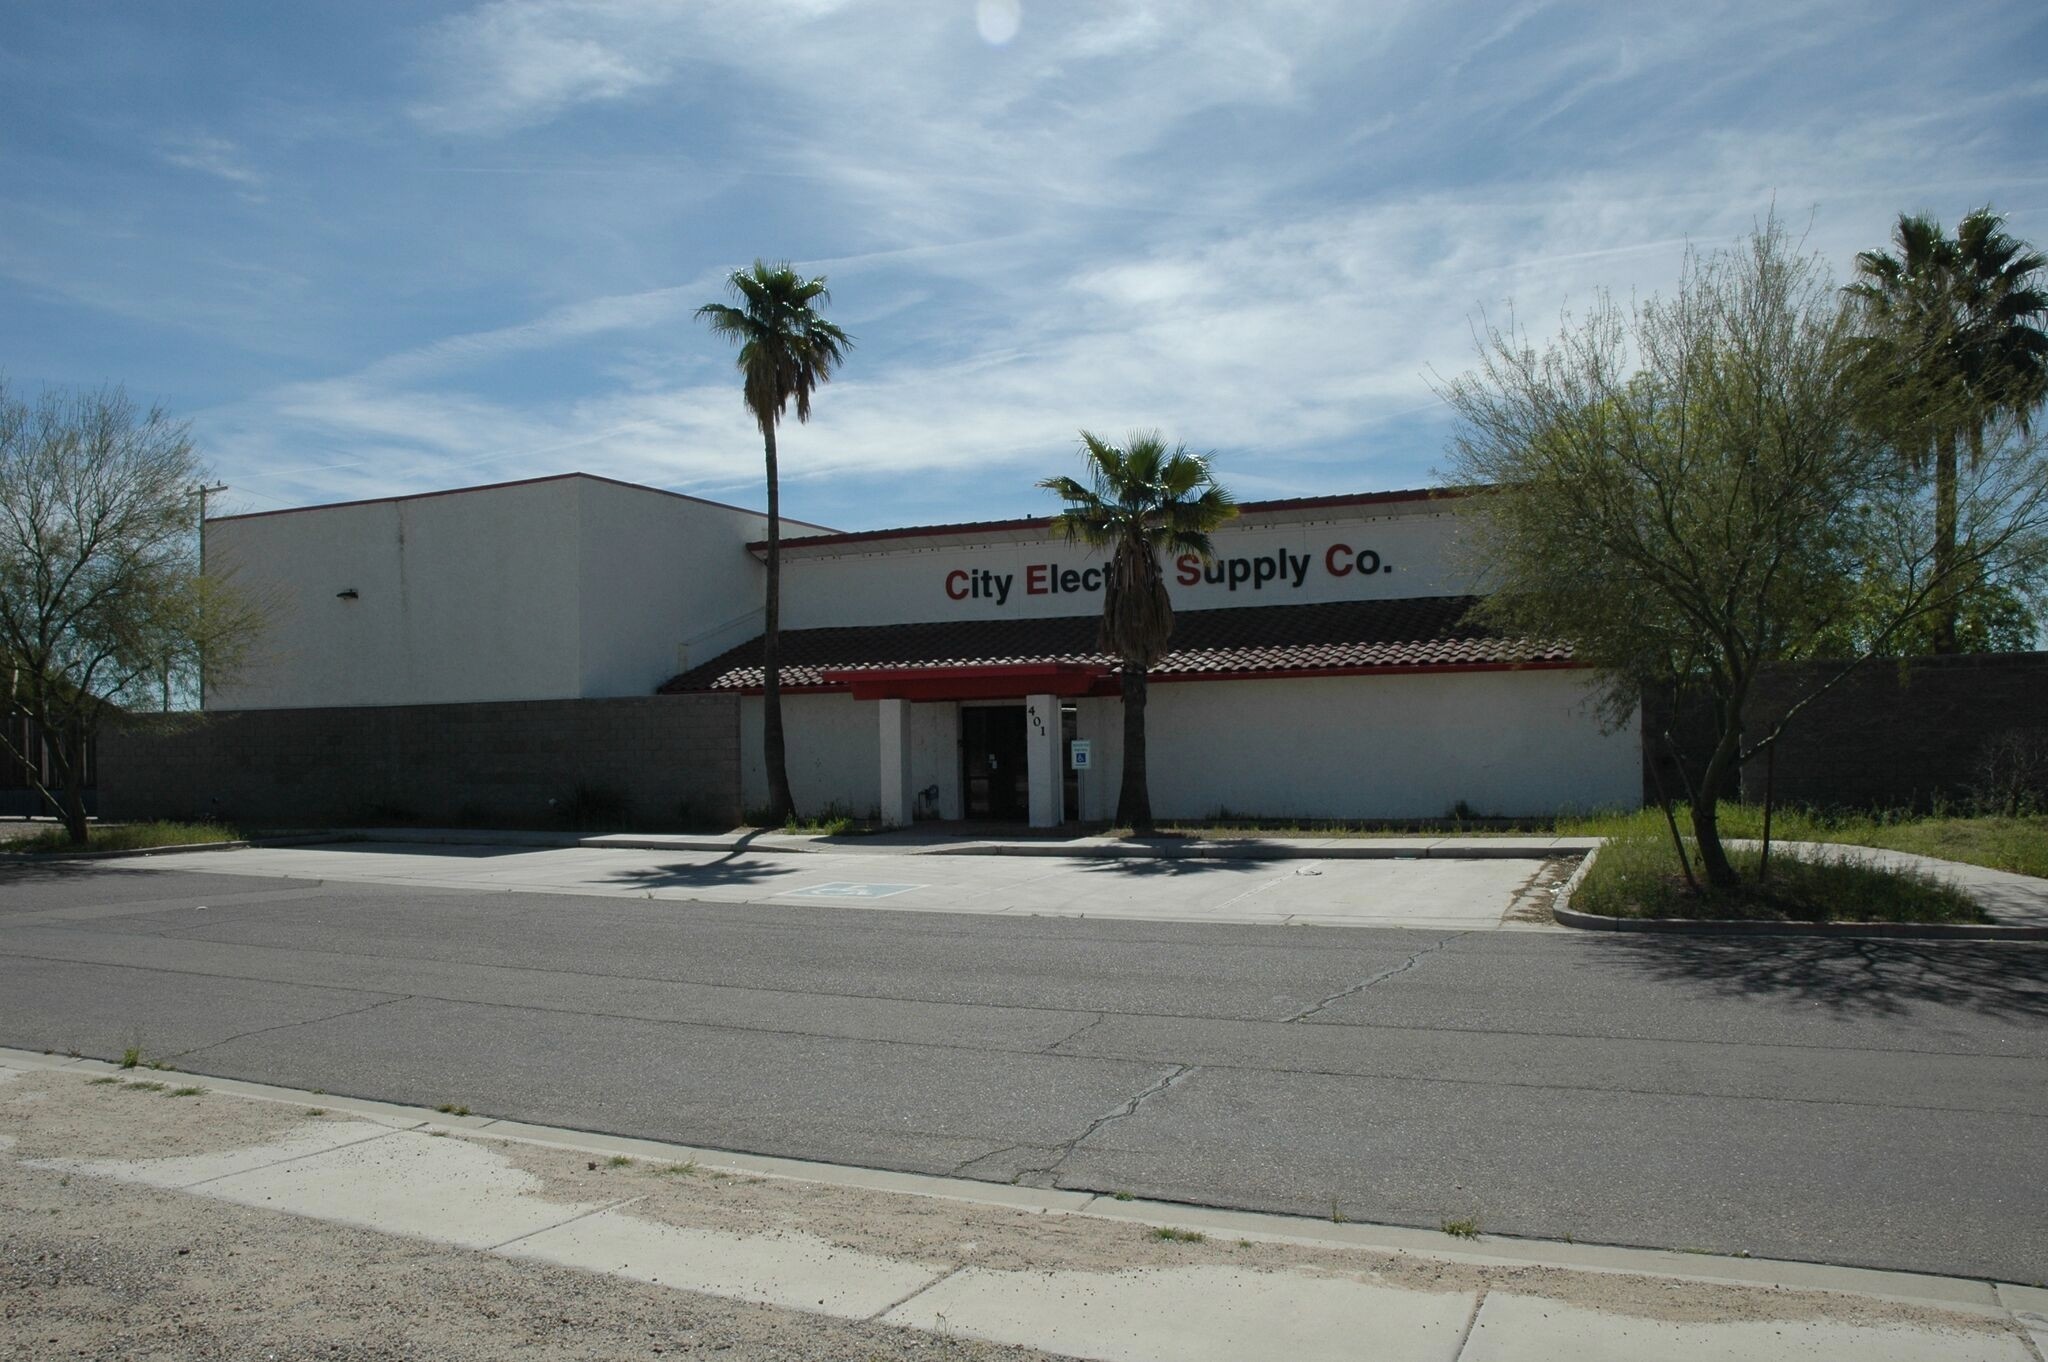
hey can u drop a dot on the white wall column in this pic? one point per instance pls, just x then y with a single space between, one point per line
1044 759
898 797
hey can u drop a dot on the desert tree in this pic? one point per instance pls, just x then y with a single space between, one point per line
1689 489
104 602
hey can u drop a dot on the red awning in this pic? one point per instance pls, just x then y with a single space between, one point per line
969 682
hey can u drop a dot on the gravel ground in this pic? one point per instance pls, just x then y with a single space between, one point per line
95 1269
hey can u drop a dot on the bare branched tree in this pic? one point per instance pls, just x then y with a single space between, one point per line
103 601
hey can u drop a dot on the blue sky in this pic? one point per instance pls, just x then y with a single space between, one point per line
375 248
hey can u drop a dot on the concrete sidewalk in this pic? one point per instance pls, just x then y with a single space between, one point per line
1060 1274
2010 899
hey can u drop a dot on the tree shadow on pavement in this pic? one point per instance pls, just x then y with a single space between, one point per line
730 869
1863 976
1148 866
37 870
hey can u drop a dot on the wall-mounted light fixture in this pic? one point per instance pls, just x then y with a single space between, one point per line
346 594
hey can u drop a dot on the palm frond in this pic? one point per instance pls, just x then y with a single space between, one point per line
1143 498
786 350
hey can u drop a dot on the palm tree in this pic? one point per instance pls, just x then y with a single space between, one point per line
1141 500
1950 325
786 351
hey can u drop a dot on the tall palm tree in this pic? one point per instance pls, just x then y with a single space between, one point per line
1141 500
786 351
1952 325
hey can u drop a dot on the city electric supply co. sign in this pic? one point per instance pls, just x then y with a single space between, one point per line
1281 570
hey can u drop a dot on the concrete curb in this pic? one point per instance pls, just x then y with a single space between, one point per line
43 857
1568 916
1363 850
1911 931
1926 1289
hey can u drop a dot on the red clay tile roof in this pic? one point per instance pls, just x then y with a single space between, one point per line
1262 640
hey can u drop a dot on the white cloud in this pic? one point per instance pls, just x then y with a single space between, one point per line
1260 228
215 156
1293 340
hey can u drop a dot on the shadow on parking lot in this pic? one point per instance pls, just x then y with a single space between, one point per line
451 850
1150 867
733 868
1862 976
38 870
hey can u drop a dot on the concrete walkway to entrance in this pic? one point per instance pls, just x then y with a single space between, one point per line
1479 894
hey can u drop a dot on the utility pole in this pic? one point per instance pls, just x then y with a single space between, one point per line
202 492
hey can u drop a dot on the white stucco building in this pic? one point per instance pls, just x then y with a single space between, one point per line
1321 667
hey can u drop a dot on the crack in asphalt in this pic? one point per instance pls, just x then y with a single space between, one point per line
1086 1027
1122 1112
1380 978
960 1168
286 1026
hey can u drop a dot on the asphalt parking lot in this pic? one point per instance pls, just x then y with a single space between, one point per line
1464 895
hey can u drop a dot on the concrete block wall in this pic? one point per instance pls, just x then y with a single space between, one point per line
1897 735
671 761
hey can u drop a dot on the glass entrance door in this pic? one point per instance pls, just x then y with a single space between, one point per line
992 763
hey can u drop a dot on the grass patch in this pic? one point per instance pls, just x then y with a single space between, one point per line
1170 1235
452 1109
129 837
686 1169
1466 1227
2018 844
831 821
187 1091
131 1057
147 1085
1637 875
2000 842
620 1161
101 1082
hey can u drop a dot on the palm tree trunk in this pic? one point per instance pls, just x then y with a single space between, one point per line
781 807
1945 545
1134 802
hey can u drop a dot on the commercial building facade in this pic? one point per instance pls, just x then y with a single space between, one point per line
1323 665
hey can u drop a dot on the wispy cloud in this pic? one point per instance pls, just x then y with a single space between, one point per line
215 156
